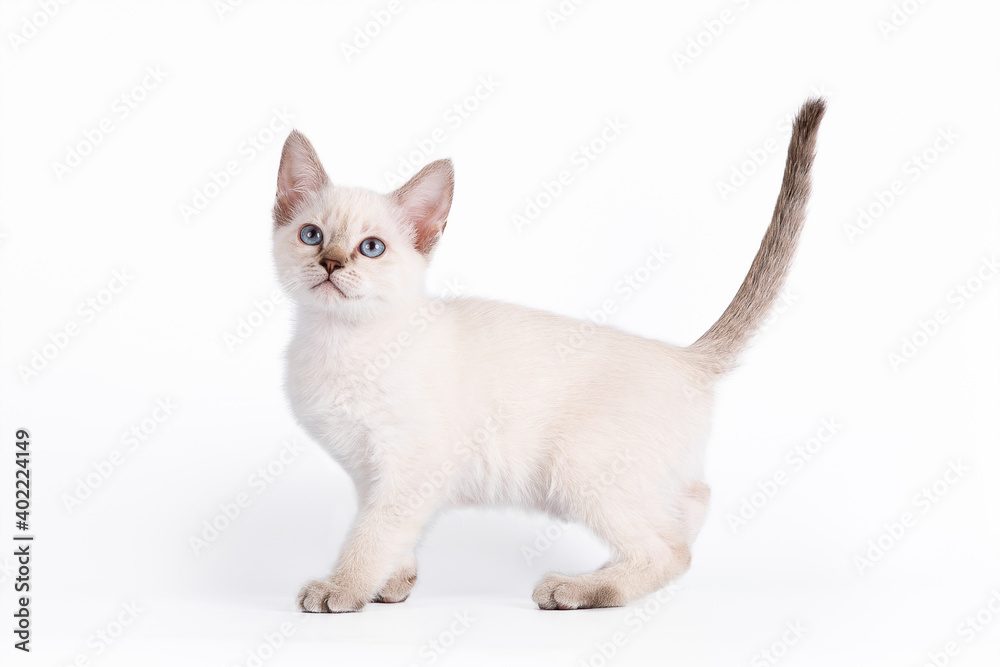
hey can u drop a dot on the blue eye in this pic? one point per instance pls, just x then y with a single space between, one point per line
311 235
372 247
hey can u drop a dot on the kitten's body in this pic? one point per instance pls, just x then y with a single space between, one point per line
428 404
532 393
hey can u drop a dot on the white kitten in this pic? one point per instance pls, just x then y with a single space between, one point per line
480 404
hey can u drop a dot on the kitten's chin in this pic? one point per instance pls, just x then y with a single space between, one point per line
331 302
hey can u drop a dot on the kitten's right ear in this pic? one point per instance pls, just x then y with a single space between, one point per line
425 201
300 175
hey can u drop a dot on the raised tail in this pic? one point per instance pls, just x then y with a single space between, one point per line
722 344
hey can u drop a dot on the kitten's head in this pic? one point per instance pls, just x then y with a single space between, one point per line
350 251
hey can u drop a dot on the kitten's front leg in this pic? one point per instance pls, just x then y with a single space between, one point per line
381 539
398 588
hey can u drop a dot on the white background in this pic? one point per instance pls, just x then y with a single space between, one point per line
687 127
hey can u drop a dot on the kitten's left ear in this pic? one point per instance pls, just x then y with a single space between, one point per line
425 201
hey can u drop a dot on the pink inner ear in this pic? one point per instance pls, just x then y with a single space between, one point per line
426 202
299 175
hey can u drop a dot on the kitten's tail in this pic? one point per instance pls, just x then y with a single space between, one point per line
720 346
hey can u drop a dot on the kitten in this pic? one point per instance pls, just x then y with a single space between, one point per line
429 404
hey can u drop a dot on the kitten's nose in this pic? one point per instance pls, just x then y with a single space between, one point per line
331 264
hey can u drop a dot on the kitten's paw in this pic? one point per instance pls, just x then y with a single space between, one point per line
322 596
557 591
543 595
398 588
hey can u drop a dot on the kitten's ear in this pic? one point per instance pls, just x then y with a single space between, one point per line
425 201
300 175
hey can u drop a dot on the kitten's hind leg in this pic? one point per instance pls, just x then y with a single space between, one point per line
693 506
644 561
398 588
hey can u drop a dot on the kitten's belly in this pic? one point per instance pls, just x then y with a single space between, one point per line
497 475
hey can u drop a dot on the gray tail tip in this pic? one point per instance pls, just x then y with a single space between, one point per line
810 115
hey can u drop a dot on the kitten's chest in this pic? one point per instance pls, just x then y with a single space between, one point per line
333 398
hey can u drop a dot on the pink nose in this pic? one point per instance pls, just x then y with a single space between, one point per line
331 264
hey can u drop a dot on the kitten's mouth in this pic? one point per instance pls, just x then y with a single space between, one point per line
330 283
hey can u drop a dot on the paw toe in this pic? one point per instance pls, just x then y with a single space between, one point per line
544 592
560 592
322 597
398 588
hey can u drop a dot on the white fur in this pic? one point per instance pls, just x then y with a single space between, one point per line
470 402
467 401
